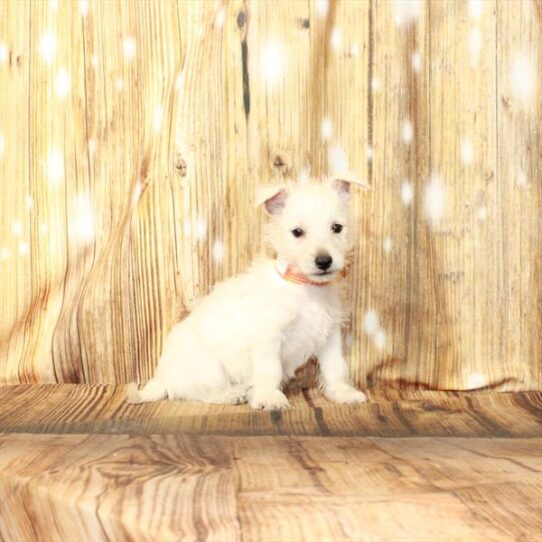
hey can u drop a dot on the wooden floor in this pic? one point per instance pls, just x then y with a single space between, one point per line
77 464
74 408
171 487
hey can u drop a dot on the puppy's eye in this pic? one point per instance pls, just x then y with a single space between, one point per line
297 232
337 228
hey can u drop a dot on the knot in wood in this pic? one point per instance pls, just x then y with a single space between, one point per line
241 18
279 162
180 165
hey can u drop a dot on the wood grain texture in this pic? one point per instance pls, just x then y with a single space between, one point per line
69 408
106 487
132 195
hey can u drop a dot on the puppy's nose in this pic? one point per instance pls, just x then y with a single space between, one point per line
323 261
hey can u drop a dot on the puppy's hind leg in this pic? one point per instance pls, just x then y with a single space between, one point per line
154 390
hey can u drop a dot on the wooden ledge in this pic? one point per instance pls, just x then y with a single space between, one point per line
93 409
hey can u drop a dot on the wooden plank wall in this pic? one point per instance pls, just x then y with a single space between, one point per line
132 135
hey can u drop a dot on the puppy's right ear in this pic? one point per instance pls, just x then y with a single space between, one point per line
273 198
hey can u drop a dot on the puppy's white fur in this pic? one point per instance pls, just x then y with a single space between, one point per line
249 335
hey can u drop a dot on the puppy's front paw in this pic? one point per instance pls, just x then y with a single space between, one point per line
345 394
268 400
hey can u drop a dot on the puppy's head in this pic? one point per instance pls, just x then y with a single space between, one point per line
309 226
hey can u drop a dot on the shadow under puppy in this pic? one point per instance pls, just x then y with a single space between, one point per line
251 333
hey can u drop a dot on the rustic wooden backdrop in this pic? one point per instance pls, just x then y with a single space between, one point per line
132 135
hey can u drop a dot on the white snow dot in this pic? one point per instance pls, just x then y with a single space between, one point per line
482 213
53 4
321 7
129 47
179 81
17 228
337 159
220 17
387 245
62 83
83 7
91 146
371 322
521 179
476 380
157 118
523 77
4 254
467 152
94 61
84 227
376 84
475 45
29 202
55 166
119 84
434 199
369 152
407 11
354 50
336 39
44 228
24 248
327 129
380 339
137 194
218 251
416 61
272 62
407 193
3 52
47 46
201 229
407 131
475 8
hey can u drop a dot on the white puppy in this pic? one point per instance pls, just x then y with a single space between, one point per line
251 333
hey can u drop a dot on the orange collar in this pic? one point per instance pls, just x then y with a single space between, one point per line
286 271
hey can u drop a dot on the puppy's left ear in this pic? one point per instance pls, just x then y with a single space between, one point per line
341 183
272 197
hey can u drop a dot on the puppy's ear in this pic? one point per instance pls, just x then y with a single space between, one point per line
341 183
273 198
342 188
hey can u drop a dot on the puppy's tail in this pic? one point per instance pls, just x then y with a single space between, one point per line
154 390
